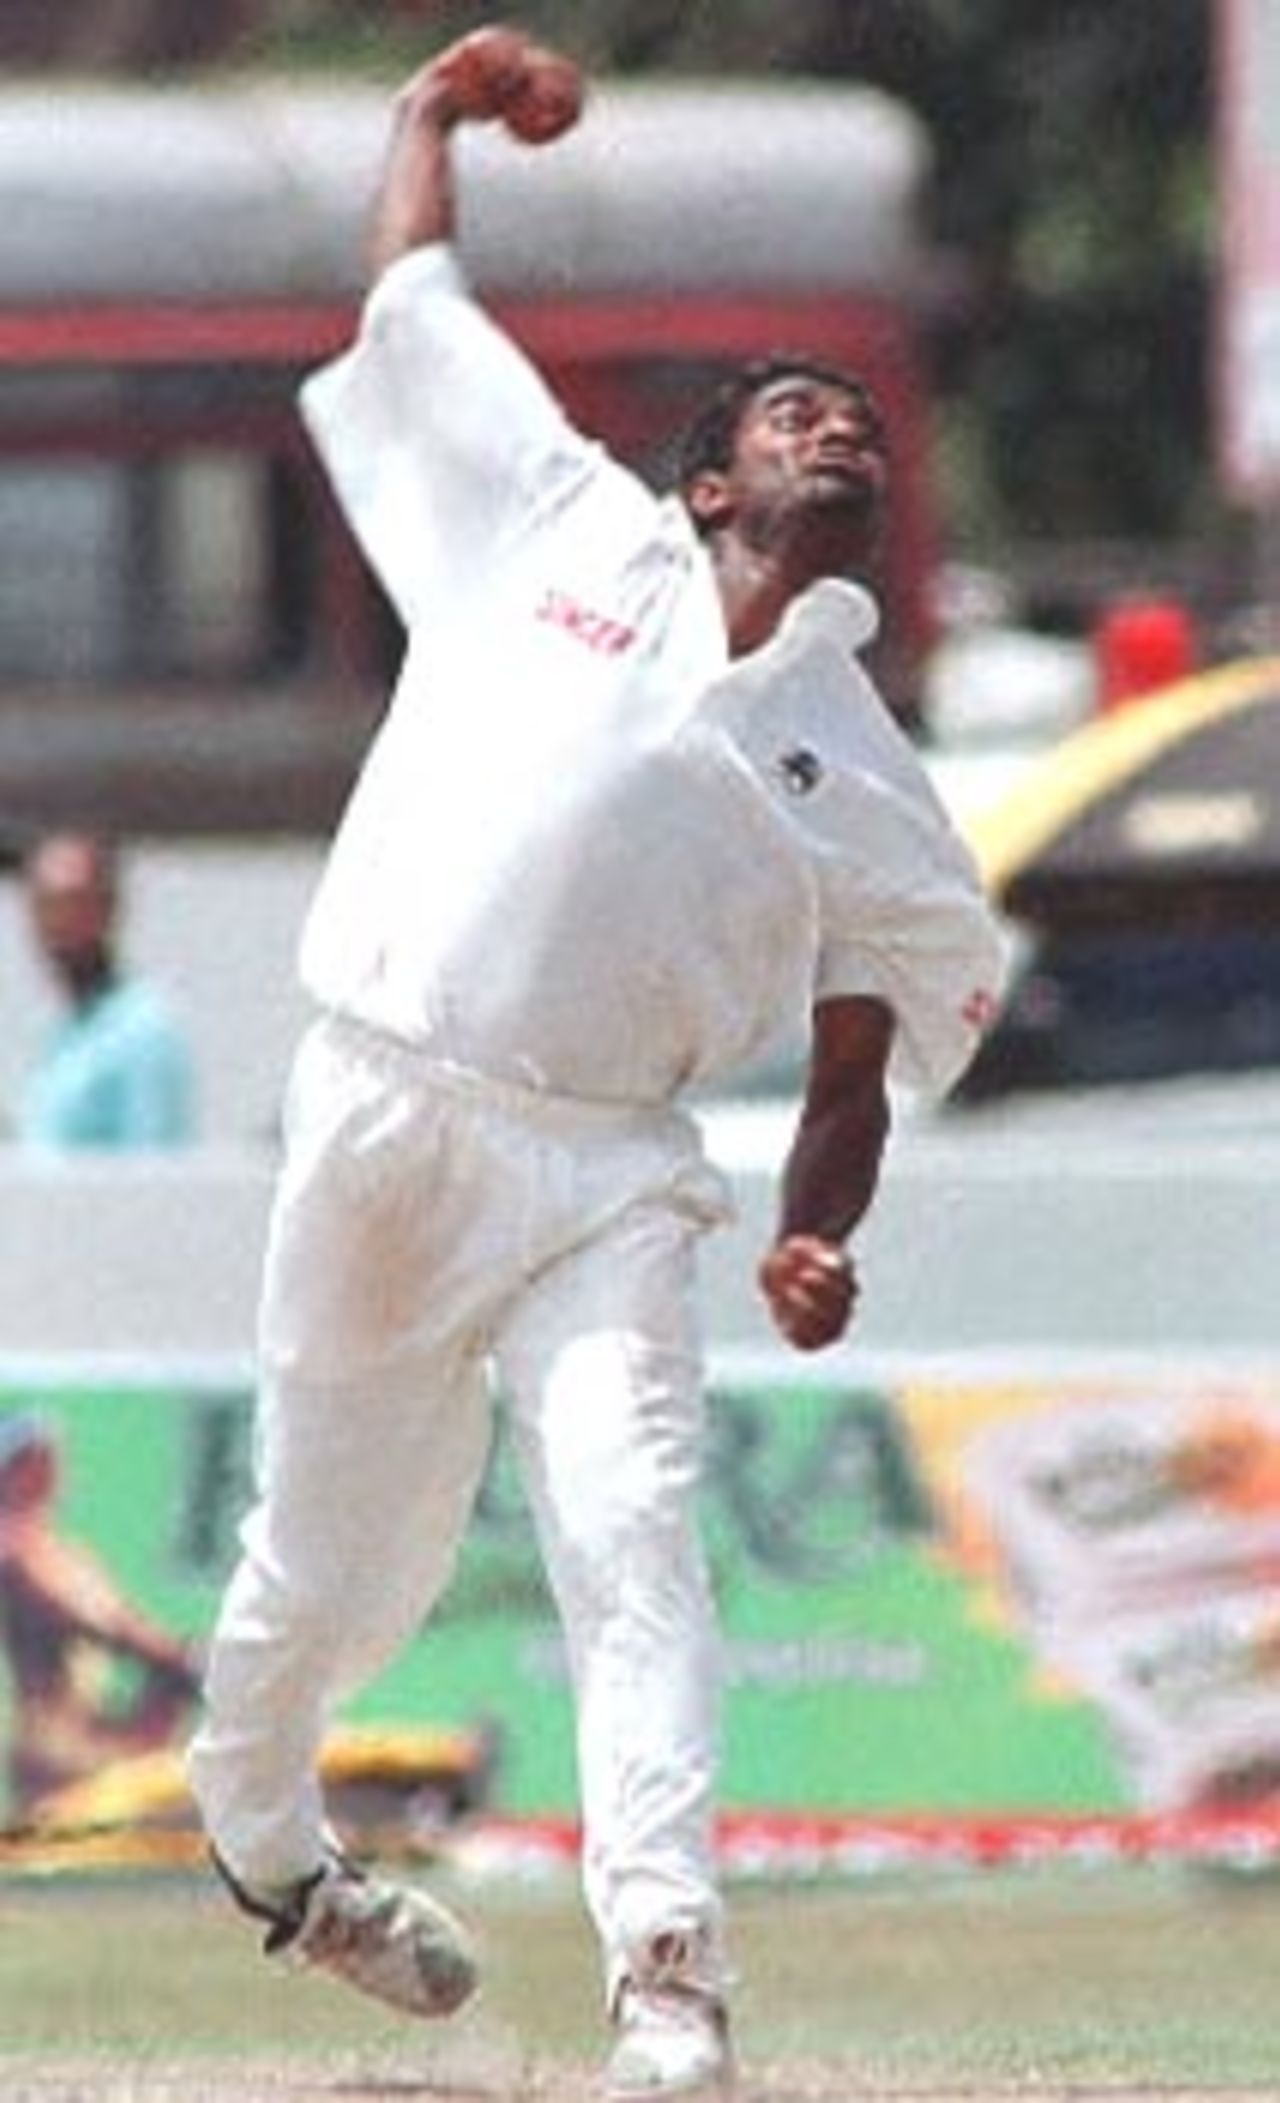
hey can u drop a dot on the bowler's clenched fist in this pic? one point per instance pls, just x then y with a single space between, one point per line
811 1288
500 73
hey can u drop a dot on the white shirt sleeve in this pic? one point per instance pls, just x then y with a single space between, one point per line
942 976
437 433
905 921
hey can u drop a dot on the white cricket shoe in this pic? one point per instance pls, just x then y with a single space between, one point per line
386 1940
673 2030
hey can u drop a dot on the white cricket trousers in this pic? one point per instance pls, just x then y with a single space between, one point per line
429 1226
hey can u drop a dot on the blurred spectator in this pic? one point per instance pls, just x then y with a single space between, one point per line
63 1626
115 1072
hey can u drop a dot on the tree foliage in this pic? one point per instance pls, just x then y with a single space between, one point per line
1074 178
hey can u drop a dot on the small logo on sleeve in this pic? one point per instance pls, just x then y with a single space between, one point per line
980 1010
799 770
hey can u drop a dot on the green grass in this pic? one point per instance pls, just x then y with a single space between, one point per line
1155 1978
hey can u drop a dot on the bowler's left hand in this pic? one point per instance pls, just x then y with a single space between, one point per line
811 1288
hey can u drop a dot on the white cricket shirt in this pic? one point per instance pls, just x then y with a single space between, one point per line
586 853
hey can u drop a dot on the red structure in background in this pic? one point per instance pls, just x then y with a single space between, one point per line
1143 643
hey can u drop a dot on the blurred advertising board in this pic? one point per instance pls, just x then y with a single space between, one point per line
1249 276
954 1607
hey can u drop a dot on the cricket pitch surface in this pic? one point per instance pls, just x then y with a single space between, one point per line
1119 1985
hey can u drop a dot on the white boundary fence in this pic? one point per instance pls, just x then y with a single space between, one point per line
1051 1237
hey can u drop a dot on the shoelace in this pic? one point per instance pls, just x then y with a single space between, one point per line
284 1918
671 1959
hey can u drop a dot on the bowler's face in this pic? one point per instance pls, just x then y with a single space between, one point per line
810 444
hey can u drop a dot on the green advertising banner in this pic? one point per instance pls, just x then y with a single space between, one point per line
868 1666
971 1600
